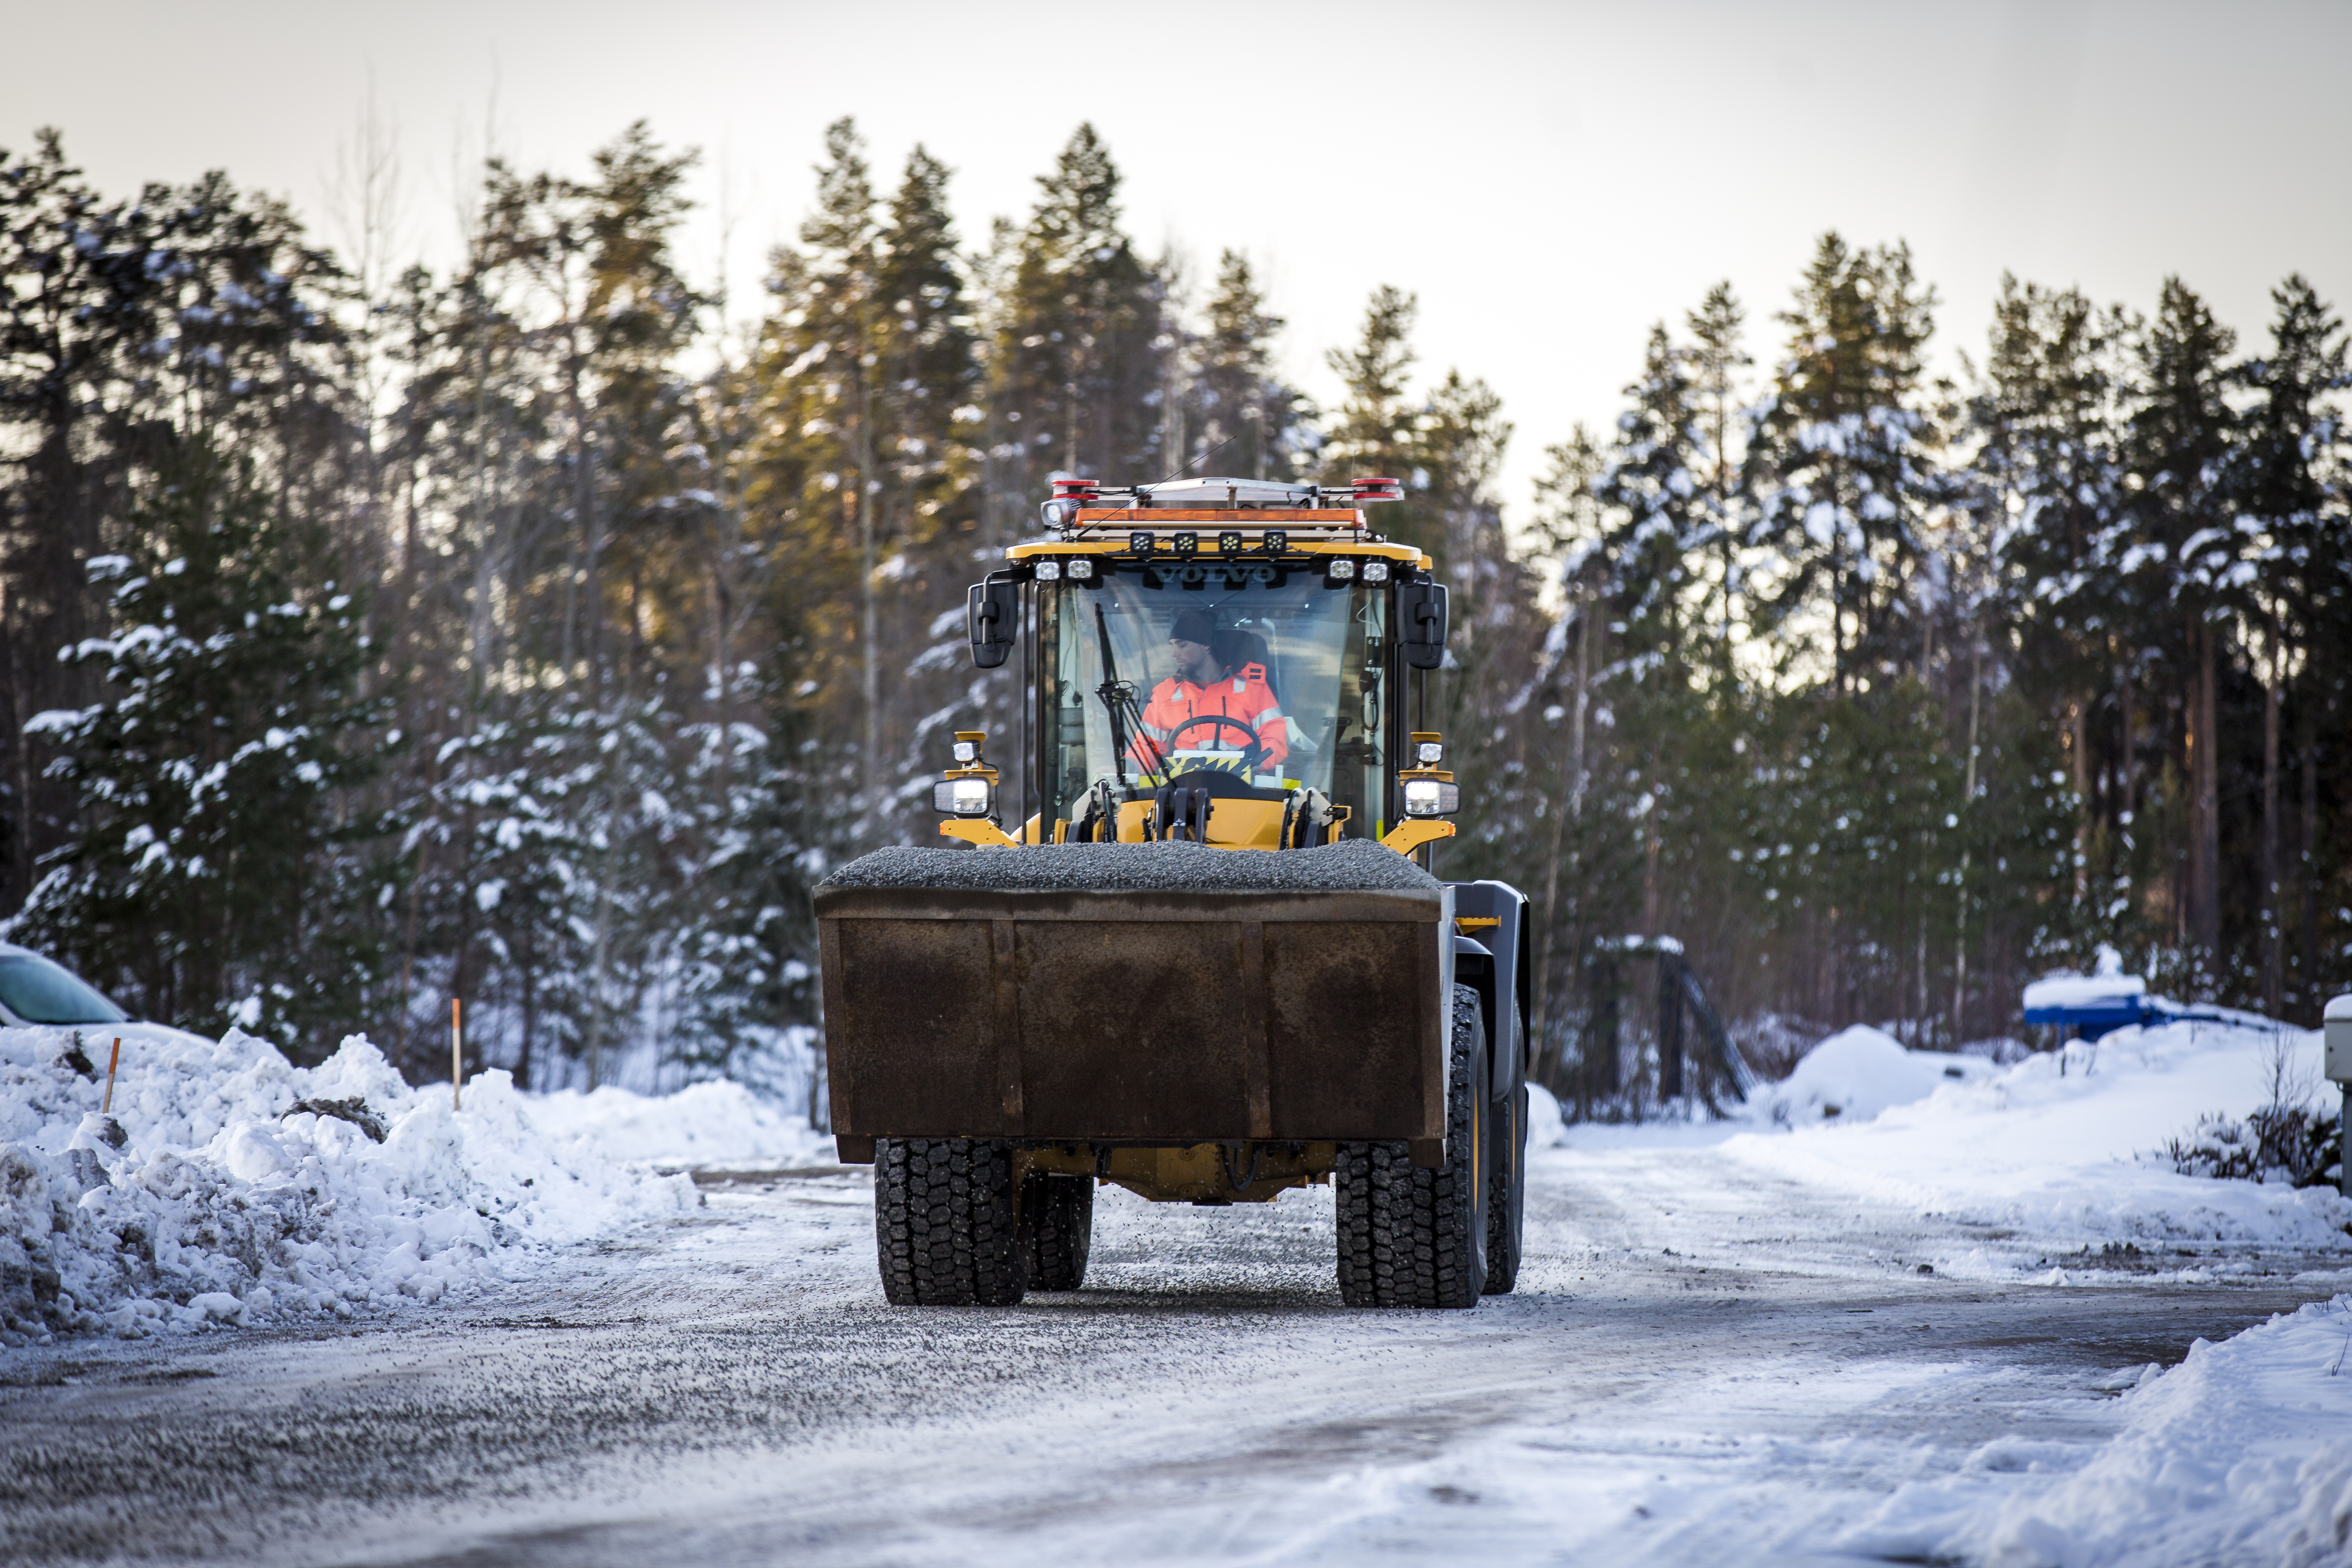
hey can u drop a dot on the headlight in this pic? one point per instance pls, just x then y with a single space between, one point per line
961 797
1339 568
1049 571
1427 797
1376 571
1082 569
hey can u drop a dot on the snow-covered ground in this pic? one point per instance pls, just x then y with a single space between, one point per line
2057 1153
1928 1327
2052 1172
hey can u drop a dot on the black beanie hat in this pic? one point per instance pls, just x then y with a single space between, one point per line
1193 625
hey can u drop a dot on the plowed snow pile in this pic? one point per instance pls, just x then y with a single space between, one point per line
231 1185
2061 1152
2241 1454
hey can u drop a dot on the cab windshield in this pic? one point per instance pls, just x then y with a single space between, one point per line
1260 670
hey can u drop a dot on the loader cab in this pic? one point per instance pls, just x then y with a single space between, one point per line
1255 646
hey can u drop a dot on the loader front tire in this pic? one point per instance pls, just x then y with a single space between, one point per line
1412 1237
1058 1218
945 1223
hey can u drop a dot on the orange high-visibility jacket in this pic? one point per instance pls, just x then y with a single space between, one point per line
1243 695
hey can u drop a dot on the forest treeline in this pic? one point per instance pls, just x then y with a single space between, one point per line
540 631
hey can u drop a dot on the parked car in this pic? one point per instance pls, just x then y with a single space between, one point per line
36 991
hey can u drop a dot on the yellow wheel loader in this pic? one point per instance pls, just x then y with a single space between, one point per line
1209 962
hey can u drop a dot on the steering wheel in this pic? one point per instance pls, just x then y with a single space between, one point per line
1253 751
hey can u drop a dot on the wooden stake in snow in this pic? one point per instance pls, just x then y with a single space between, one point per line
113 1060
456 1053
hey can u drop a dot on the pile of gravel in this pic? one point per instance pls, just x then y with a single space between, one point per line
1351 865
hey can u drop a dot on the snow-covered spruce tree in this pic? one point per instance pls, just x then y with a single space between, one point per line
1658 538
121 323
2291 510
211 878
2179 557
1839 462
1239 418
2042 496
1376 431
1718 356
1079 362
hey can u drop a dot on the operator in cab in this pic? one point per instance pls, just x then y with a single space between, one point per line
1218 700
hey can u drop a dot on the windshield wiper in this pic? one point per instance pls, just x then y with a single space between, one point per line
1118 698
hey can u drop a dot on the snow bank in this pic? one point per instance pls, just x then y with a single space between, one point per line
2063 1148
1858 1073
2241 1454
703 1125
229 1184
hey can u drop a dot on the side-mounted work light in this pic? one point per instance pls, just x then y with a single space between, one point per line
961 797
1430 797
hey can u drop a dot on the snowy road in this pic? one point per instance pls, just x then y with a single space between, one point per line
1700 1366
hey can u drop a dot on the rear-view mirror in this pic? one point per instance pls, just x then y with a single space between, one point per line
993 609
1421 623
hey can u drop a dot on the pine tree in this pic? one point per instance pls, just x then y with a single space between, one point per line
1243 420
1655 494
1079 371
1377 434
210 880
121 322
2181 554
2292 515
1717 358
1837 456
2046 474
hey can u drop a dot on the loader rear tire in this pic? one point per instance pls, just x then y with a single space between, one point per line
1507 1194
945 1224
1410 1238
1058 1218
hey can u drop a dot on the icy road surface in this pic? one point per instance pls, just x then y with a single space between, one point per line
1702 1365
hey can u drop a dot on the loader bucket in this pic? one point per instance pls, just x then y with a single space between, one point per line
1168 994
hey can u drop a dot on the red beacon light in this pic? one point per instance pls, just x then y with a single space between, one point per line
1377 489
1069 495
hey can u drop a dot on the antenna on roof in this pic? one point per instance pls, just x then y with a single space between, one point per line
1202 458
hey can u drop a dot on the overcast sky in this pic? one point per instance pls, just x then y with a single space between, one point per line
1549 179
